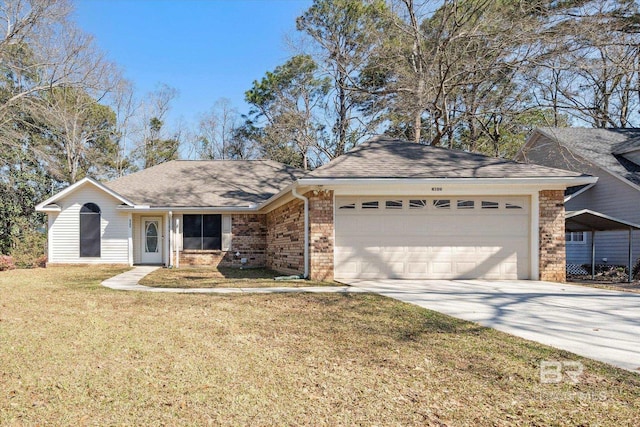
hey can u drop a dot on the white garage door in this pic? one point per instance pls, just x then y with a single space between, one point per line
432 238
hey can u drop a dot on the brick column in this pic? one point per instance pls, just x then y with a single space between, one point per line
552 238
320 234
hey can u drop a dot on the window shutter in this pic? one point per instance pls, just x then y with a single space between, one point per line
226 232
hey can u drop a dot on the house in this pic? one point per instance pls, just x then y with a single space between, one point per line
612 155
387 208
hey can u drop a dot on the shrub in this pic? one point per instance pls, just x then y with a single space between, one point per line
29 249
636 270
6 263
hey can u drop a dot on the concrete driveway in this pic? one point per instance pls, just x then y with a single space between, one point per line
598 324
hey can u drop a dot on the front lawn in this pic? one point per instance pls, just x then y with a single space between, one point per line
203 277
75 353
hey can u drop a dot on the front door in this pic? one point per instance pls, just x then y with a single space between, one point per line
151 240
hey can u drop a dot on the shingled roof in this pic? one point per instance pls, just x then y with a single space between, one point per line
384 157
206 183
603 147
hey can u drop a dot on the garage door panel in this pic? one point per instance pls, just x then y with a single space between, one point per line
440 268
432 244
416 268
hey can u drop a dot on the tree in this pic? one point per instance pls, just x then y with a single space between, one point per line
450 73
345 31
217 130
53 128
155 145
592 70
124 105
283 119
77 134
41 49
157 149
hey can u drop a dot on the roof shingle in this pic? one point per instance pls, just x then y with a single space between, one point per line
385 157
206 183
603 147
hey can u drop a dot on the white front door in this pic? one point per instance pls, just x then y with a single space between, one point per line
151 240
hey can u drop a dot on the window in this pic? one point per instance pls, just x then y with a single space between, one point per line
512 206
370 205
442 204
90 230
417 204
465 204
486 204
393 204
575 237
202 232
348 206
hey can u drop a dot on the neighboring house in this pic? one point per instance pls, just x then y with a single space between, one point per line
612 155
387 208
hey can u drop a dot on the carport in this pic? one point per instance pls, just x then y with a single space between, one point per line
590 221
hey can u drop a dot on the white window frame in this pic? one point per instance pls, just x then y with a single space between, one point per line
571 240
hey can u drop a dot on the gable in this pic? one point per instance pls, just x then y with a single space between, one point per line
543 150
612 194
605 148
88 184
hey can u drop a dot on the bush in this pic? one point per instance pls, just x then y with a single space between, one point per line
636 270
29 249
6 263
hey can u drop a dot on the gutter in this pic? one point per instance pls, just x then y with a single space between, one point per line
306 230
568 181
146 208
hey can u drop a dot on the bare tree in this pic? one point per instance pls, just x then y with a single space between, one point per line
77 134
154 143
216 130
41 49
125 108
344 33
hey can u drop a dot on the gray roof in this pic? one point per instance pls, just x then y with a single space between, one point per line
384 157
206 183
603 147
588 220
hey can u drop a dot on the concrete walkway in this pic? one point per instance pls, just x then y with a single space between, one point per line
596 323
128 281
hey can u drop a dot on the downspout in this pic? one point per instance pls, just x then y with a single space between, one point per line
306 230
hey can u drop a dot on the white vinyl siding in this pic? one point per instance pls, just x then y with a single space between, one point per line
448 237
65 229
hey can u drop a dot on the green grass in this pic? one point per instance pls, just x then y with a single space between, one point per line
202 277
75 353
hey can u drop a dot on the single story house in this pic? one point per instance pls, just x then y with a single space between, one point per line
386 209
611 155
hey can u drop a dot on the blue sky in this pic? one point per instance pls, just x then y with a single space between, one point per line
207 49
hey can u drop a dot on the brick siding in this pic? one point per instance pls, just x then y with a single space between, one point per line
321 235
552 238
248 236
285 238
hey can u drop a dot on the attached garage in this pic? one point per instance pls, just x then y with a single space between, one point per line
442 237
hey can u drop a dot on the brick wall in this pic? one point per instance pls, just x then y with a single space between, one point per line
248 236
552 239
285 238
321 235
